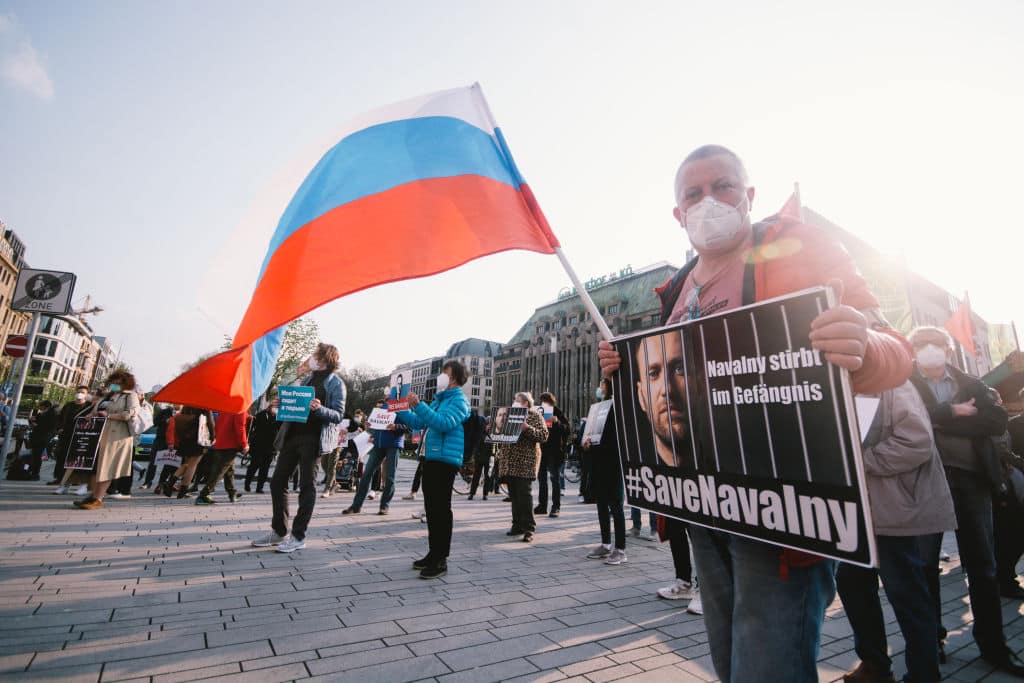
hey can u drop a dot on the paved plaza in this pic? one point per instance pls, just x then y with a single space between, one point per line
156 589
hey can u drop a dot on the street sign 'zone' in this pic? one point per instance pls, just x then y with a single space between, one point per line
45 291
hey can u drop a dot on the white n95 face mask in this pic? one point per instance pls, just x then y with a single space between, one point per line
931 356
712 225
442 382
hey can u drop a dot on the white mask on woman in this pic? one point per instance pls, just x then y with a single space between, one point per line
442 381
314 364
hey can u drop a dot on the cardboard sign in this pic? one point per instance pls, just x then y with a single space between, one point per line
166 457
363 443
294 403
380 418
85 443
733 422
398 397
505 425
597 416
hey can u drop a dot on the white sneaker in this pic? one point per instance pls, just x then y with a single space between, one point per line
411 496
580 499
695 606
371 495
651 535
290 544
616 556
268 540
61 490
119 496
599 553
325 494
82 490
680 590
943 556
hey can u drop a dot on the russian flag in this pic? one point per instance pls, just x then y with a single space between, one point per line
433 171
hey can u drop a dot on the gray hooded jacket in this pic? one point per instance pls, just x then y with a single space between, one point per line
906 482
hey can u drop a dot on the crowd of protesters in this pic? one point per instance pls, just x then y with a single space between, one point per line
941 455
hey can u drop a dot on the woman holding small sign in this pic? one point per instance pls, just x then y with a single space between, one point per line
114 453
519 463
443 447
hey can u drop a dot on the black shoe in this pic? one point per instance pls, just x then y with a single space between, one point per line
423 563
506 499
169 486
528 537
1005 660
1012 591
382 511
554 512
514 532
540 510
184 493
260 491
484 498
350 511
470 497
53 482
248 488
234 496
435 571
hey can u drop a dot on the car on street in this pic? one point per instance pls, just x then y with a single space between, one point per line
144 449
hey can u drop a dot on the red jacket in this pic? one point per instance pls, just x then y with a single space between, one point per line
789 256
230 432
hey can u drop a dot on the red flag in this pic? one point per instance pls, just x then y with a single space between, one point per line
791 209
961 326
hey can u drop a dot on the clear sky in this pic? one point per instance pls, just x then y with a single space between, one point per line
137 137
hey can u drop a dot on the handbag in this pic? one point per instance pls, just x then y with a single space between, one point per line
203 437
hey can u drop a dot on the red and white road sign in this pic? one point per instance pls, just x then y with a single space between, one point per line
16 345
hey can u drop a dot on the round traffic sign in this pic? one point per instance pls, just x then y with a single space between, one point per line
16 345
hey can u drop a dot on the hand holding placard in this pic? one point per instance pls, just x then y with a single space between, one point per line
294 403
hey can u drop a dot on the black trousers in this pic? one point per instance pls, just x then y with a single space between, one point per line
438 478
480 468
417 478
62 453
679 544
37 460
259 467
300 453
520 490
222 467
606 487
550 468
1008 526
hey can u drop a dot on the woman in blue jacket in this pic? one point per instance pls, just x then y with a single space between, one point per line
443 448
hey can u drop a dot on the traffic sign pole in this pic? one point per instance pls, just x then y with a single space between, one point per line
25 365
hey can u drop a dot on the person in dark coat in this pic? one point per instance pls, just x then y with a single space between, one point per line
552 455
44 426
66 424
261 448
475 451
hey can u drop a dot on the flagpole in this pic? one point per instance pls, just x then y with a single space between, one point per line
591 307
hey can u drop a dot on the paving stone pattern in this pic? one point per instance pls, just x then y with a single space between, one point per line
161 590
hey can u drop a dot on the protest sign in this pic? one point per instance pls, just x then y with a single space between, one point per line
293 405
506 423
380 418
733 422
398 396
363 444
166 457
85 442
596 419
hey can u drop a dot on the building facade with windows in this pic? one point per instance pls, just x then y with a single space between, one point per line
56 356
478 356
12 260
556 349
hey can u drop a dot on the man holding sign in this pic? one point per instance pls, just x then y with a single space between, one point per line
764 605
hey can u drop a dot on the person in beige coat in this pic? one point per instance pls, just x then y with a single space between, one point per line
518 464
114 455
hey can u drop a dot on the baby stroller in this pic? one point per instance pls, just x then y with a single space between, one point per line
347 473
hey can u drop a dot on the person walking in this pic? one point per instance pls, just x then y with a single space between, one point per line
193 433
261 448
474 429
114 453
519 463
386 445
231 438
443 446
161 419
300 445
552 457
44 426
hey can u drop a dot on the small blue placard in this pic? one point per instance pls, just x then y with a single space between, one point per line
294 403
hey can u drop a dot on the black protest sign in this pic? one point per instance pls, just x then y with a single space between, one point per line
85 443
734 422
505 424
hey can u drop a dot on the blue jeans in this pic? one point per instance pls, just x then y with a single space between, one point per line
902 570
760 627
389 456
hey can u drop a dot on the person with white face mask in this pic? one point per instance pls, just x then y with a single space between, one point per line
66 423
443 446
518 465
740 262
965 416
